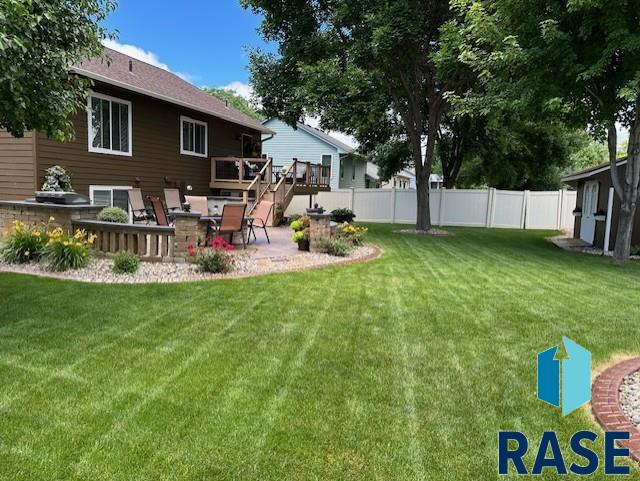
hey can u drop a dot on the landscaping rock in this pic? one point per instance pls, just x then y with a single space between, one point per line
630 397
246 263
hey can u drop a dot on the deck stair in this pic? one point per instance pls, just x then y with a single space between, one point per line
300 178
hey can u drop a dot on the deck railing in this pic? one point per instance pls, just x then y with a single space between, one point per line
149 242
237 170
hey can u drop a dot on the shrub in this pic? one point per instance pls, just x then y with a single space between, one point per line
352 233
125 262
300 228
113 214
298 236
57 180
336 246
635 250
64 251
214 260
24 243
342 215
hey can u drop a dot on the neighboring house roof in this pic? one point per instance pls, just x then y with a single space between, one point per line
583 174
161 84
341 146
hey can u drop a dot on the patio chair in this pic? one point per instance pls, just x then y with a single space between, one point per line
158 210
139 210
261 218
172 199
232 221
198 204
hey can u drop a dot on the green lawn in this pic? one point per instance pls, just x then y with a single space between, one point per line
403 368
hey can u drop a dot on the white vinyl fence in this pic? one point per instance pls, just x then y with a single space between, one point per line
458 207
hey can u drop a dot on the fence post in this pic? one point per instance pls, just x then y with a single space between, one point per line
560 208
393 205
352 199
491 207
443 190
525 210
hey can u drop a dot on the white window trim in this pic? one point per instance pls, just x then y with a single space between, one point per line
242 144
101 150
94 187
183 119
326 155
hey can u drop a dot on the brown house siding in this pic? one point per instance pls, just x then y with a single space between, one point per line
604 181
156 162
17 180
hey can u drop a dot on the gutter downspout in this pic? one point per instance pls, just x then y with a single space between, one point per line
607 231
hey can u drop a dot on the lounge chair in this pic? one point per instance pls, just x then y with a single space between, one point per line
139 210
158 210
198 204
172 199
232 221
261 218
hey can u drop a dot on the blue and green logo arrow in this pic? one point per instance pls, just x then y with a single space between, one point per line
574 371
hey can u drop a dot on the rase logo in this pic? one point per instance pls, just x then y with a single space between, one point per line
576 377
562 383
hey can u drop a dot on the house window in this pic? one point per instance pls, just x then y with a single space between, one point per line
109 122
110 196
326 160
193 137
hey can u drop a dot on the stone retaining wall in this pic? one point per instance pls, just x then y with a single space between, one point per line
34 213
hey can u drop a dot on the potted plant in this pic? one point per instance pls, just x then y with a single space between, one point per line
300 228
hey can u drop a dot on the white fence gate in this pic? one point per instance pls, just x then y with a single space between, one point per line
458 207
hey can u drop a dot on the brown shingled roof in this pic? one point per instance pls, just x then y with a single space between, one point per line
150 80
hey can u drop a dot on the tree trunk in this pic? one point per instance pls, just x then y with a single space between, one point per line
423 172
424 211
629 194
423 219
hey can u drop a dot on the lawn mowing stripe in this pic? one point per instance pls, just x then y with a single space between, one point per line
271 412
408 382
154 316
222 397
518 273
162 384
509 272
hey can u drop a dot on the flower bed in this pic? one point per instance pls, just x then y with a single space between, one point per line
245 264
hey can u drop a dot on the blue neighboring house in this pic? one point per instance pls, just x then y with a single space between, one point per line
309 144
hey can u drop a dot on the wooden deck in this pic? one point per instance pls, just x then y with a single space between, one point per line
256 176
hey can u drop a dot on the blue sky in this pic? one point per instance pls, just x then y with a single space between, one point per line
202 40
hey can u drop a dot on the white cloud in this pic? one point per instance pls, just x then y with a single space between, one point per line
246 91
242 89
145 56
347 139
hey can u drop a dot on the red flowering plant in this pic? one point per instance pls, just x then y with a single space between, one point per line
215 258
218 243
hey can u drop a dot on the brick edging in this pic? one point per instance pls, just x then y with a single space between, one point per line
606 406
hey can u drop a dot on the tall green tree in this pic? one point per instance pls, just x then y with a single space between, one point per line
366 67
39 41
578 58
237 101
